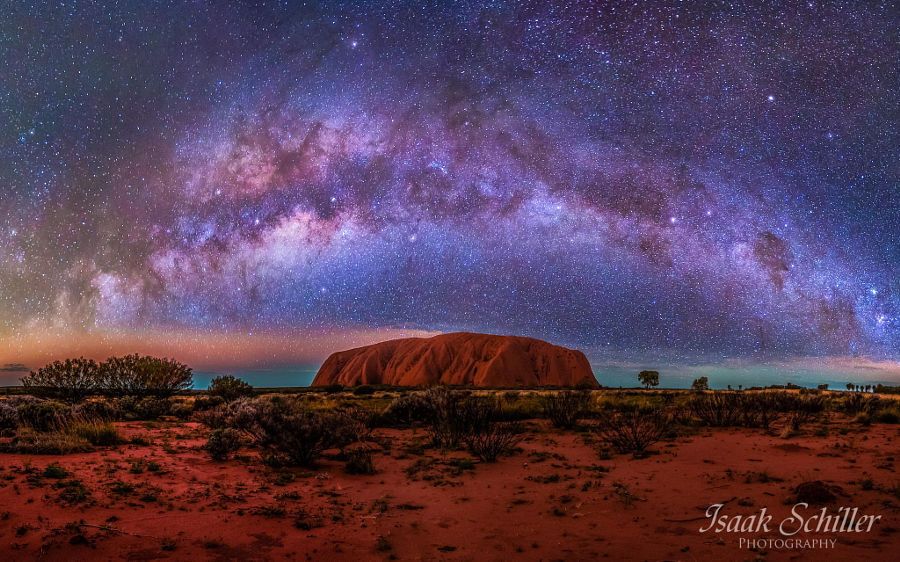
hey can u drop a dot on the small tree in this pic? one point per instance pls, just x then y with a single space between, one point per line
701 383
229 388
71 380
850 386
649 378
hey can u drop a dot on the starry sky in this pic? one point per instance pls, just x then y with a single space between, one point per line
251 182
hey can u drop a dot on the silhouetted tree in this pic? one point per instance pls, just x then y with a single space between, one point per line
145 375
229 388
701 383
649 378
71 380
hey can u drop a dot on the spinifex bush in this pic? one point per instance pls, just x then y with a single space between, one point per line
70 380
57 442
94 431
633 430
565 408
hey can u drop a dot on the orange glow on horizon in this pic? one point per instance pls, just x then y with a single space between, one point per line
198 350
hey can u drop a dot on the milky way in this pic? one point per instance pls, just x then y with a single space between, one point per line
715 181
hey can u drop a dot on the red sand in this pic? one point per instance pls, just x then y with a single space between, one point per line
459 359
549 502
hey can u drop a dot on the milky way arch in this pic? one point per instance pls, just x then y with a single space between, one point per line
681 181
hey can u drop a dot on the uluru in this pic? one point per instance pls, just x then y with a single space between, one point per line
458 359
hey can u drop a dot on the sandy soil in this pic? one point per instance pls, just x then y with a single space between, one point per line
556 499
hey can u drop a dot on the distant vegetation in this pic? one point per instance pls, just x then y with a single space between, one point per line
701 383
75 404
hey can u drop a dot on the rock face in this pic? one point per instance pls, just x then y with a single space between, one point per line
458 359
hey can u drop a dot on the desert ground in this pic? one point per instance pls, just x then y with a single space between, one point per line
152 491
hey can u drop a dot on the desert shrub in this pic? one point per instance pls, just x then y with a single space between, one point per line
55 471
229 388
364 390
287 431
69 380
352 425
803 409
854 403
413 407
9 416
717 409
203 403
565 408
447 416
223 442
30 442
180 409
887 415
758 409
104 409
144 376
359 461
95 431
239 414
516 407
43 415
496 439
633 430
480 428
145 408
294 435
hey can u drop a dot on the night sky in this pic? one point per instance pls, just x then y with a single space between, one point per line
685 183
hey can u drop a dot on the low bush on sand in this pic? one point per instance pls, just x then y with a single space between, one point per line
485 435
223 442
565 408
96 432
287 430
633 430
31 442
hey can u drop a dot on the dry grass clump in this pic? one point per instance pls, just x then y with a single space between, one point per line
565 408
633 430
